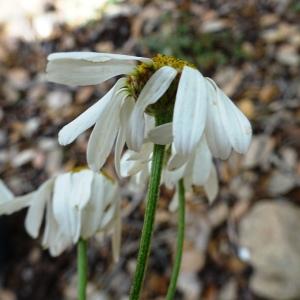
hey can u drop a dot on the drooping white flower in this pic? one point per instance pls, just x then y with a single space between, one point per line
75 205
193 106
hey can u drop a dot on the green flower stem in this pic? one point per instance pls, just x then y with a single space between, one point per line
82 268
180 241
152 197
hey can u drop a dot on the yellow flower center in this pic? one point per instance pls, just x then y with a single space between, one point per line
142 73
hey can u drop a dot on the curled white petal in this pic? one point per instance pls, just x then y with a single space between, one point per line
161 135
211 186
36 209
215 132
173 206
87 68
201 163
104 133
190 111
125 112
237 126
85 120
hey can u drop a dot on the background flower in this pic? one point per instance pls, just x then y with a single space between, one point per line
79 204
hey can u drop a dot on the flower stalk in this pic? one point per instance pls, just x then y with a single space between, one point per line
82 268
180 242
152 197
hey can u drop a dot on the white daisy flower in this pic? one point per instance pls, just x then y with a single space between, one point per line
75 205
162 86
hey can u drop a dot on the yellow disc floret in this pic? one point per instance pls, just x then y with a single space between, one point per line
142 73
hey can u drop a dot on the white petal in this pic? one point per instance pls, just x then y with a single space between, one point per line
5 193
176 161
129 167
94 56
84 121
86 68
190 111
149 123
93 212
141 178
143 155
67 217
58 244
153 90
173 206
171 178
161 135
36 210
201 163
81 188
104 133
15 204
125 112
53 238
211 186
215 132
237 126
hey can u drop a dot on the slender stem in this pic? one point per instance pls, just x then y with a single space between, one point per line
82 268
180 241
152 196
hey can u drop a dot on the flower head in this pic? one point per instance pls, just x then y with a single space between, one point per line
78 204
164 87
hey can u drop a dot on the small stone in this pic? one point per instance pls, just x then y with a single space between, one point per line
58 99
19 78
280 183
189 284
279 34
268 20
271 234
259 152
247 107
268 93
31 126
229 79
288 55
214 25
192 260
290 157
37 92
218 214
23 158
241 188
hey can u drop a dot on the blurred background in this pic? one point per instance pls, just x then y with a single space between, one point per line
247 244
